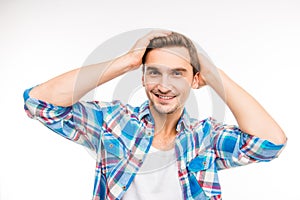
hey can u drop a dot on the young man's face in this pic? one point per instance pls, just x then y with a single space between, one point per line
168 78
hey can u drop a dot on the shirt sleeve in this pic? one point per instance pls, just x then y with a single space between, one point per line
81 122
233 147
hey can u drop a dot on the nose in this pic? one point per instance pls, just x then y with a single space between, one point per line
164 84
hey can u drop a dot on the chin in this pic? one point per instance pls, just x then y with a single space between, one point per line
162 109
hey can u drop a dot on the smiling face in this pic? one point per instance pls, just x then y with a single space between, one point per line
168 78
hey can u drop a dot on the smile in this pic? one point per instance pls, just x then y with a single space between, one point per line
164 97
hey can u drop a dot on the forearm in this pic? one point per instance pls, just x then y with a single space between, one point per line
68 88
251 117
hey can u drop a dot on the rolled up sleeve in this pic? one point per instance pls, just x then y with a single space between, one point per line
80 122
234 147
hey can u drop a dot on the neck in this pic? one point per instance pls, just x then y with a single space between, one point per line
165 124
165 129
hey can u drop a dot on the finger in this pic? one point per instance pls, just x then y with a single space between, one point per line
143 42
158 33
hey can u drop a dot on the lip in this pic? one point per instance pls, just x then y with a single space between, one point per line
164 98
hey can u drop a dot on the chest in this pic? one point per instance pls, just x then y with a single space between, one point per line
163 143
123 154
157 178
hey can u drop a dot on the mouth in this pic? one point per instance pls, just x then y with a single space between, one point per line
164 97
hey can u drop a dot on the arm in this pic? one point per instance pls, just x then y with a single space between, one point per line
55 102
68 88
251 117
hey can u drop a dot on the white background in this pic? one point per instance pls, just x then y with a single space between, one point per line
256 42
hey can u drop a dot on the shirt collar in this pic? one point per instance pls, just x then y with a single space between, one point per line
144 110
183 122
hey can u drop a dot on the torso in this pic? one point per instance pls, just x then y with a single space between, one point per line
157 178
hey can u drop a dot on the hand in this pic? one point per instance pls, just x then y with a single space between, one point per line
208 71
137 51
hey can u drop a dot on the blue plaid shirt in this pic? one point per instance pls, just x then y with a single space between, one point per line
121 136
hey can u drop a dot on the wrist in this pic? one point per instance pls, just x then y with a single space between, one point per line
131 61
212 76
123 64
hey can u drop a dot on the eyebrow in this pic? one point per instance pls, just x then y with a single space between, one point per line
179 69
151 68
175 69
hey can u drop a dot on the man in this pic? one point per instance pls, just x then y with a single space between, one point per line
123 136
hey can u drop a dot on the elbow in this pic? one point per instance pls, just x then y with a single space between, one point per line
45 94
279 138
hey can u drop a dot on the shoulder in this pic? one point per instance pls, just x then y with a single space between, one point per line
205 125
112 106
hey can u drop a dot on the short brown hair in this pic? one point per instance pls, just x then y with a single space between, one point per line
178 40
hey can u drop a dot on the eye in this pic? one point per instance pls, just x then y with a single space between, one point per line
177 73
153 72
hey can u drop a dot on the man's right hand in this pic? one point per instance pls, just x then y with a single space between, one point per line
136 53
66 89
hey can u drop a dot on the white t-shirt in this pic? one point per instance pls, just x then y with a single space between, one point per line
157 178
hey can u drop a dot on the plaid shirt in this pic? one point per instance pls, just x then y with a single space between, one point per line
121 136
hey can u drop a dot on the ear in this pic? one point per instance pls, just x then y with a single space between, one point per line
198 81
195 83
143 79
143 74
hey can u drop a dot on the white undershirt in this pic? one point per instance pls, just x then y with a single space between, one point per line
157 178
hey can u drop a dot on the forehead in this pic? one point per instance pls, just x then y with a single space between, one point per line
169 56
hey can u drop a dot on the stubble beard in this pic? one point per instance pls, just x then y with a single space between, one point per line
166 109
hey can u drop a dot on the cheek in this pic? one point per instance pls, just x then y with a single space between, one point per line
148 87
182 85
183 88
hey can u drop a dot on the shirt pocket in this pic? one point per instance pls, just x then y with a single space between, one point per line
203 175
113 152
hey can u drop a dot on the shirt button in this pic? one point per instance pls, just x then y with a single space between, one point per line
204 163
111 145
148 133
124 187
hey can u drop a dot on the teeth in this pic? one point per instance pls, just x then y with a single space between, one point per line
165 97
